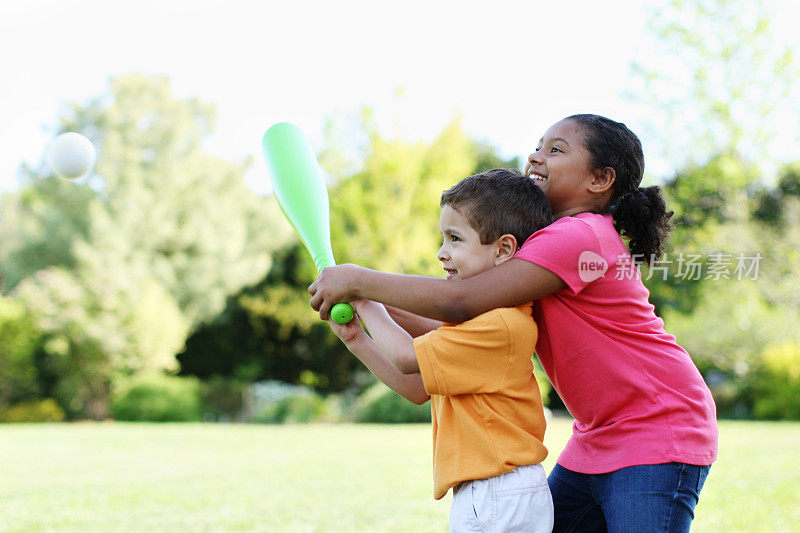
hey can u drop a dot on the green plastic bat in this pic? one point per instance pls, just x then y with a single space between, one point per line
303 196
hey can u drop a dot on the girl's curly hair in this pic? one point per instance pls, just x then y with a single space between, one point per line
640 213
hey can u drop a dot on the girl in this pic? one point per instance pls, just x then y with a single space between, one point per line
645 431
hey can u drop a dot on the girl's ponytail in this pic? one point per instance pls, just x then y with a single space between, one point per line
640 213
642 217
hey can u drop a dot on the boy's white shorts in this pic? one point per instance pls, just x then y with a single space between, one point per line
516 501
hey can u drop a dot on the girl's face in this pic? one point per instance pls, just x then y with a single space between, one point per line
561 167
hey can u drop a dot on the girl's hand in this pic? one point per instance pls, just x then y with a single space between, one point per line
335 284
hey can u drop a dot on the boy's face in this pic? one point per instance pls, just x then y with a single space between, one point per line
462 254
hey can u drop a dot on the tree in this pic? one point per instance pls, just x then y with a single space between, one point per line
117 269
40 224
387 215
97 327
19 339
157 206
715 81
702 217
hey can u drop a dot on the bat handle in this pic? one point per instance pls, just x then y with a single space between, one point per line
342 313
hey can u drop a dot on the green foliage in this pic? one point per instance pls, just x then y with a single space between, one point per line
777 394
227 346
711 193
117 269
157 206
46 410
409 177
19 339
167 209
716 80
222 398
294 409
158 398
254 339
41 224
380 404
711 208
280 402
725 334
542 381
771 203
98 326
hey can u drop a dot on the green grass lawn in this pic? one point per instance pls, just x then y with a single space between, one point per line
350 478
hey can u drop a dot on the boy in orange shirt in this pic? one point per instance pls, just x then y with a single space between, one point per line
488 419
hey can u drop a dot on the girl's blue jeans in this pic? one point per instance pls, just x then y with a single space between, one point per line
640 499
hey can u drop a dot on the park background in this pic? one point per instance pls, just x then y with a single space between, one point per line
166 286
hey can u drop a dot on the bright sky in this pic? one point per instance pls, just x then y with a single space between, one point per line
510 70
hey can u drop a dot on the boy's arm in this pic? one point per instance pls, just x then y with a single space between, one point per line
414 325
409 386
512 283
395 343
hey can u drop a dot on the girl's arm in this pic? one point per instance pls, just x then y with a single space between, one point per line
414 325
409 386
512 283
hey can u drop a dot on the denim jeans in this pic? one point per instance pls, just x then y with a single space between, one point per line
637 499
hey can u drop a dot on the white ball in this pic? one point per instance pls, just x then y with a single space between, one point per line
71 155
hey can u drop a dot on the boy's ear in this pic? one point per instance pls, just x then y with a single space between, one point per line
603 180
506 248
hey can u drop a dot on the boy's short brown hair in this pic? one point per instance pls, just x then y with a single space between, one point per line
500 201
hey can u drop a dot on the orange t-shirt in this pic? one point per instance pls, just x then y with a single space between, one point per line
486 407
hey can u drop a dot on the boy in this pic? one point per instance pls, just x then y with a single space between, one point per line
488 419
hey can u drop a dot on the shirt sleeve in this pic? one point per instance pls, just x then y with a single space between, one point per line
562 247
467 358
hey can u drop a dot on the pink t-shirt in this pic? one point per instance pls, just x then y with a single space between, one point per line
636 396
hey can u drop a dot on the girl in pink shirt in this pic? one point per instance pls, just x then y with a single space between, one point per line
645 429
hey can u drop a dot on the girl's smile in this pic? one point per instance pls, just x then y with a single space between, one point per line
561 167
